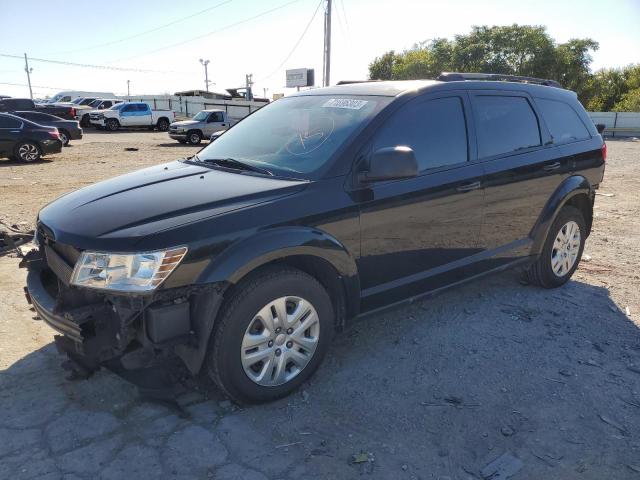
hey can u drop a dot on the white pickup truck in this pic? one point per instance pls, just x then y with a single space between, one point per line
202 125
134 115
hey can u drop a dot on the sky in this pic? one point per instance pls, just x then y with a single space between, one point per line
261 37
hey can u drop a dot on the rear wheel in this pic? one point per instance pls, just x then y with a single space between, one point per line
163 124
27 152
64 137
194 137
562 250
112 124
271 335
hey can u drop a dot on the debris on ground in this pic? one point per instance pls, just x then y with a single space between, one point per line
503 467
613 423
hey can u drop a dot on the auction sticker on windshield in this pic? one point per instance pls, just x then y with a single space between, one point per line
350 103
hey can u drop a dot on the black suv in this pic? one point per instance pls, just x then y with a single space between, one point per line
245 258
25 140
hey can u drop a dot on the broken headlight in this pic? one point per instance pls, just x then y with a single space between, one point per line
126 272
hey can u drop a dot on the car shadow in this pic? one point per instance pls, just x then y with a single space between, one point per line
7 162
439 387
178 144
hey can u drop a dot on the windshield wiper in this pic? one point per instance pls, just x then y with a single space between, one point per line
234 164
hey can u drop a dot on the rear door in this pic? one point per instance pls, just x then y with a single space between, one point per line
416 232
10 131
522 165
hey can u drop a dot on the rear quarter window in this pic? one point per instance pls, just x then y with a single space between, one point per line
504 124
562 120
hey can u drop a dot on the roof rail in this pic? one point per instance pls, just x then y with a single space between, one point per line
349 82
499 77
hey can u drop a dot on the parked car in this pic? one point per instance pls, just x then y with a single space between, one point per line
216 135
70 95
68 129
132 115
26 141
245 258
202 125
24 104
83 112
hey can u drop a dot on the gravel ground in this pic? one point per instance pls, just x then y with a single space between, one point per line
490 380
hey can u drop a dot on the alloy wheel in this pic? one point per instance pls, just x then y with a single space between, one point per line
566 247
28 152
280 341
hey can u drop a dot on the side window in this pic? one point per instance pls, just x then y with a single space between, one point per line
434 129
128 108
563 122
142 107
215 117
8 122
65 99
504 125
106 104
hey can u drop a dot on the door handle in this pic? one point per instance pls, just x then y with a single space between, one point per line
467 187
551 167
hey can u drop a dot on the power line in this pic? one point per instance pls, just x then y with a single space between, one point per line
306 29
85 65
212 32
124 39
34 86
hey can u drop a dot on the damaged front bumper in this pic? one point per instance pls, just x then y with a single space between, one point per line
98 327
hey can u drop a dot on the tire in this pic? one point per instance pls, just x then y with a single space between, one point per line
27 152
239 322
163 124
112 125
562 250
194 137
64 137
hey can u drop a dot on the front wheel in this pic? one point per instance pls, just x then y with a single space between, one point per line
112 124
194 138
271 336
562 250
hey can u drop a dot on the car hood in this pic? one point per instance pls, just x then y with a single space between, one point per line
155 199
184 123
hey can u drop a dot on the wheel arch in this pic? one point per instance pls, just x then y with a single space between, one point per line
575 191
310 250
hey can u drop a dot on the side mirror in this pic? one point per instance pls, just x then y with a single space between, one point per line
390 163
600 127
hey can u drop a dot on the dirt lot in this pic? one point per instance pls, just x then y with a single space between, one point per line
547 382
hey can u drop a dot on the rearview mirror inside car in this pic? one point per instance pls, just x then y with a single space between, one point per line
390 163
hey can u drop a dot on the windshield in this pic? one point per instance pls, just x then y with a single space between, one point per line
56 98
95 103
201 116
77 100
295 136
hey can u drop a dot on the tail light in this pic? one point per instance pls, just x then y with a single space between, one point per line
54 134
604 151
73 112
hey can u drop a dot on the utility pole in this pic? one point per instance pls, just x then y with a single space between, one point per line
249 83
28 70
206 73
128 91
326 67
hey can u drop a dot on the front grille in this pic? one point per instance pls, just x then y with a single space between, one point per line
58 265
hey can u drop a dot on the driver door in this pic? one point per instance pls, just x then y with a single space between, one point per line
420 233
215 123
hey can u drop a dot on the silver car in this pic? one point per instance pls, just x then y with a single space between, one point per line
202 125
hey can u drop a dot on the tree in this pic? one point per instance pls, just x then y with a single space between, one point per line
382 67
